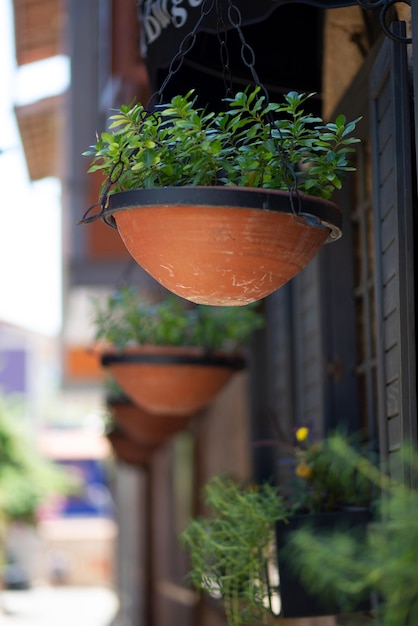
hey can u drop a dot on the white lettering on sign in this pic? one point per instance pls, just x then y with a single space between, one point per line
158 14
179 14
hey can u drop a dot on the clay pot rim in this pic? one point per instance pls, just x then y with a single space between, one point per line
172 355
314 211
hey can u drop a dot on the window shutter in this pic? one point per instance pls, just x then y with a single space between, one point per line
340 344
308 370
294 372
394 255
271 386
280 358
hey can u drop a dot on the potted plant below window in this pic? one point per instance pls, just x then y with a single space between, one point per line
241 552
171 358
384 561
326 495
223 208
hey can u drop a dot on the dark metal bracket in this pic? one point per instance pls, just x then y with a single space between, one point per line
384 7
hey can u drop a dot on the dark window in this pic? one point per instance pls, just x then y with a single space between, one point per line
363 291
341 335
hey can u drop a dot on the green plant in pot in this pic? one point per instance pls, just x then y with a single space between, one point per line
326 495
384 561
241 551
171 358
322 481
223 208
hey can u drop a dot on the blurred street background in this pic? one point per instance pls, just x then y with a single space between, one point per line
56 552
52 606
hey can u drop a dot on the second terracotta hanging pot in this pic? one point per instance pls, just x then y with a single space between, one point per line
143 427
222 245
171 380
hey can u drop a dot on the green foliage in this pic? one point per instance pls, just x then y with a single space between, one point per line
124 318
385 562
113 389
323 480
251 144
229 551
26 479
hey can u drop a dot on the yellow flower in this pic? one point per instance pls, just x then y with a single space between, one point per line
302 433
303 470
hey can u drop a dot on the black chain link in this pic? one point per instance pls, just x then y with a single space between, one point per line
113 177
248 58
177 61
235 19
222 34
118 167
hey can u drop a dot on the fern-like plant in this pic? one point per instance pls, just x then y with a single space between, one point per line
231 549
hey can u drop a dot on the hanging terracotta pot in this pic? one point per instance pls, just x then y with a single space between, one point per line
171 380
222 245
143 427
128 450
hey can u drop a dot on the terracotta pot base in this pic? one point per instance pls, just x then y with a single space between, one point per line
129 451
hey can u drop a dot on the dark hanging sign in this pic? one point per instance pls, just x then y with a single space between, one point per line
165 23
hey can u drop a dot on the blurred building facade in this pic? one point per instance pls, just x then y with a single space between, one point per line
75 537
77 532
339 344
29 369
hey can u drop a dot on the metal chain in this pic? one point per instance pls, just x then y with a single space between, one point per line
118 167
177 61
235 19
248 58
222 34
112 178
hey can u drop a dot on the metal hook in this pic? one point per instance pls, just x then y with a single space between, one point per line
384 6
